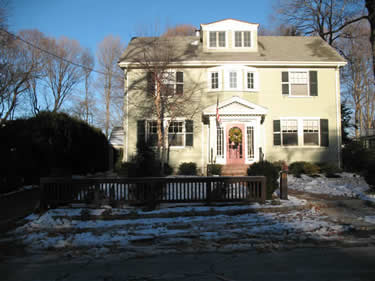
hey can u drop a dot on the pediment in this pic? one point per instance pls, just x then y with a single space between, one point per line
236 106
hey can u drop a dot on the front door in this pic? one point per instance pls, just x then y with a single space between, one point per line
235 144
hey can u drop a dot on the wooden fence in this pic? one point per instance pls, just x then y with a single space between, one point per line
57 191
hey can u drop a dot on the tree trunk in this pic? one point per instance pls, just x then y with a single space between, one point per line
370 5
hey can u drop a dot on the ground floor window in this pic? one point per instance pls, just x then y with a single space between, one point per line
301 131
180 132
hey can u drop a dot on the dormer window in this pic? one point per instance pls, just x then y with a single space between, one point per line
217 39
242 39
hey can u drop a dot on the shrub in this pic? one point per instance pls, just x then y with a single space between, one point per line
214 169
328 168
268 170
187 168
370 175
50 143
356 158
279 164
301 167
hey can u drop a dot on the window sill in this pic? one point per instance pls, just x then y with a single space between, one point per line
300 146
298 97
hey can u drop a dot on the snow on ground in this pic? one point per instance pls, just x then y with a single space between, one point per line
348 185
138 232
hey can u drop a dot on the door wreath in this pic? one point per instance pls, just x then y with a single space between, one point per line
235 136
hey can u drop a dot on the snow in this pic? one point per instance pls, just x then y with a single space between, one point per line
348 185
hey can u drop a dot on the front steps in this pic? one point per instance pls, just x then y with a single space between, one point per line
234 170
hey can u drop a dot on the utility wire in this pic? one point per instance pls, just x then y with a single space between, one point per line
53 54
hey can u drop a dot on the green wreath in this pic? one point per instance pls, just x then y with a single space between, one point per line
235 135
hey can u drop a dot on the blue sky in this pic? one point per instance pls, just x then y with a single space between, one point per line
90 21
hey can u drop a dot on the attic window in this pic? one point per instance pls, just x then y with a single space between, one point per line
217 39
242 39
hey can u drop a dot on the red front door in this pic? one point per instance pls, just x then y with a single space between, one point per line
235 144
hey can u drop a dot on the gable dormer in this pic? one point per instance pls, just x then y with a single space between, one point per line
229 35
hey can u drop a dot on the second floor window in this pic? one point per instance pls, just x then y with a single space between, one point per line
217 39
233 79
170 83
242 39
299 83
250 80
214 80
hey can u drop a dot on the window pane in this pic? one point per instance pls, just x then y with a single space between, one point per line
214 80
179 77
311 138
237 39
221 39
290 139
220 142
232 79
299 90
179 89
212 39
247 40
250 142
250 80
175 139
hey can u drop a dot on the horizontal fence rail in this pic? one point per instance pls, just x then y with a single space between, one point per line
57 191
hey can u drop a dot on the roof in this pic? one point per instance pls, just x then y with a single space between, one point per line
270 49
229 19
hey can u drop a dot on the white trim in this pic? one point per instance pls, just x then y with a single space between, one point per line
338 117
252 63
126 149
202 147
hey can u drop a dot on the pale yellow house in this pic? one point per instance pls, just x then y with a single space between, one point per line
279 97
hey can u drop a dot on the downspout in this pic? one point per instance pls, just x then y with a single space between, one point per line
338 117
127 116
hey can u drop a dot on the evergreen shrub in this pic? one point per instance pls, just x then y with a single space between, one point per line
267 169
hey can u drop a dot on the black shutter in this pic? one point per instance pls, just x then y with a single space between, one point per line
141 132
151 83
189 132
285 82
313 83
276 132
324 135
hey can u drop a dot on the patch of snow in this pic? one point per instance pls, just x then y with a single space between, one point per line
348 185
369 219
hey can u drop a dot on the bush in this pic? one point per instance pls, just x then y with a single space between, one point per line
301 167
187 168
370 175
279 164
268 170
328 168
356 158
214 169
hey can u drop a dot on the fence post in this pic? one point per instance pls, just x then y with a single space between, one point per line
283 185
42 198
208 191
264 189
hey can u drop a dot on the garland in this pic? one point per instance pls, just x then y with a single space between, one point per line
235 135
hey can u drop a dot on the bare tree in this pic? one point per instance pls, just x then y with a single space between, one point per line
19 65
326 18
180 30
62 76
357 75
108 53
159 88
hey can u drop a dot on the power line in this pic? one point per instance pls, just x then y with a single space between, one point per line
53 54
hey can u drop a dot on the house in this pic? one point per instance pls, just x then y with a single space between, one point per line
260 97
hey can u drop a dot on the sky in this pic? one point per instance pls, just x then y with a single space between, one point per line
90 21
